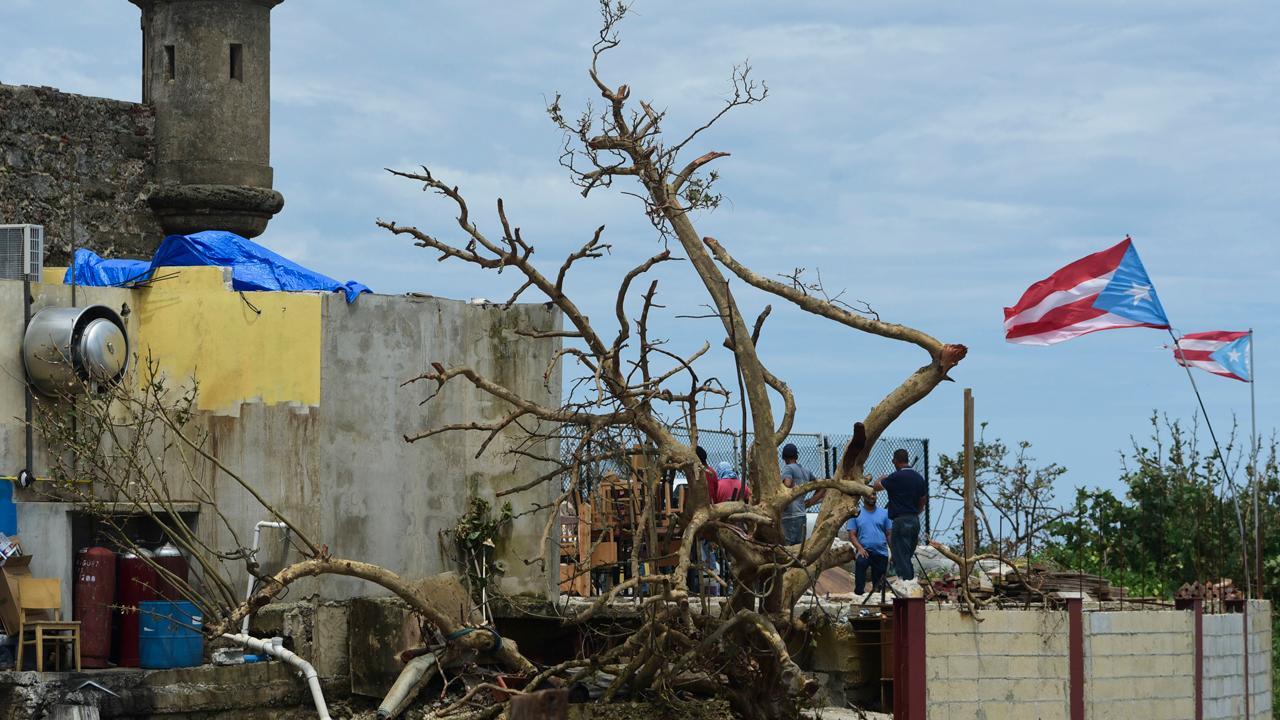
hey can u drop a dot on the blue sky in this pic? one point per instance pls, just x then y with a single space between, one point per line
933 159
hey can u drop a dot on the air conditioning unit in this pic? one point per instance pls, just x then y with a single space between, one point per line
21 252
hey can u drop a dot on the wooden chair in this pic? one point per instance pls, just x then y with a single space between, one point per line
40 615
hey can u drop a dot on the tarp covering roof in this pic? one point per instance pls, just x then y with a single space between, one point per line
253 267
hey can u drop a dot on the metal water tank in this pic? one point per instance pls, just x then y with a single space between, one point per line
94 592
68 349
171 560
135 583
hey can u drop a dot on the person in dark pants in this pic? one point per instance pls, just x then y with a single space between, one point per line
908 492
869 531
794 521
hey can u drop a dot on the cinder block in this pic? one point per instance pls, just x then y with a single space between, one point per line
1049 710
1052 666
1139 621
950 691
1021 691
1098 689
946 646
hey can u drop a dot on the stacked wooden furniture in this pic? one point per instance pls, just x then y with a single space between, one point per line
598 536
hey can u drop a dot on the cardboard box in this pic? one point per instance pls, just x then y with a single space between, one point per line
13 569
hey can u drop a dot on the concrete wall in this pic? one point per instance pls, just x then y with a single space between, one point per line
1139 664
65 157
315 420
1224 664
1013 664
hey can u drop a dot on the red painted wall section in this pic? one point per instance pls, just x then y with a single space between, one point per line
1075 650
909 659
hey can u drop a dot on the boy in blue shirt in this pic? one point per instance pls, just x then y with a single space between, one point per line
869 532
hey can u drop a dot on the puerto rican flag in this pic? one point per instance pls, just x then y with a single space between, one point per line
1107 290
1220 352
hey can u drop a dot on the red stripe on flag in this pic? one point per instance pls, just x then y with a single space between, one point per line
1224 336
1069 276
1191 355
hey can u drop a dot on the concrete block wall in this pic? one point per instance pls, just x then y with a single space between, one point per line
1224 664
1139 664
1131 664
1013 664
1260 696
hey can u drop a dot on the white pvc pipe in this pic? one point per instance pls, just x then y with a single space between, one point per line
402 692
289 658
253 553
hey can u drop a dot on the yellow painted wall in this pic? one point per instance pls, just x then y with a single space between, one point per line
194 325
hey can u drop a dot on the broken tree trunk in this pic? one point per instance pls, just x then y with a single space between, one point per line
542 705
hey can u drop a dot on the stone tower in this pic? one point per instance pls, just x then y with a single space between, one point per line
206 69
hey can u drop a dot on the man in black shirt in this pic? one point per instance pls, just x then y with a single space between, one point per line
908 493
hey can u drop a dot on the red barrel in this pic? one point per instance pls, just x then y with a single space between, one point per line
171 560
135 583
95 590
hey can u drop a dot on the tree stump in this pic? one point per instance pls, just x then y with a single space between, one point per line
542 705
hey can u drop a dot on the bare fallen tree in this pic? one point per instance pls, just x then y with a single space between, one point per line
631 394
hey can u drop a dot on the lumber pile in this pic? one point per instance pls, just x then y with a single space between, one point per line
1040 582
999 580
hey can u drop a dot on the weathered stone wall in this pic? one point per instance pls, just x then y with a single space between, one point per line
80 167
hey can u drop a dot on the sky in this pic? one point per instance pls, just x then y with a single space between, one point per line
931 159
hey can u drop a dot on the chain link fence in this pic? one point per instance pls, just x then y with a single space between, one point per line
819 454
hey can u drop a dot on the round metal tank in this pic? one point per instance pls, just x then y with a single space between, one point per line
94 592
135 583
171 560
67 349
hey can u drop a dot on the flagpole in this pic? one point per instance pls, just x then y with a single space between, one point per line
1226 474
1255 476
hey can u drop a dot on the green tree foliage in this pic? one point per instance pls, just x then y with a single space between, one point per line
1175 521
1013 496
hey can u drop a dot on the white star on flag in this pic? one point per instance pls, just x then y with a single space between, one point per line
1139 293
1234 355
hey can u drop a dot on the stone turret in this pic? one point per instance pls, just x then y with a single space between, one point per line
206 69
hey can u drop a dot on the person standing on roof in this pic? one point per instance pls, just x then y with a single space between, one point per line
908 493
730 486
794 515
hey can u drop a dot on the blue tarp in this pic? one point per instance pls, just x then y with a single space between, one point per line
90 269
253 267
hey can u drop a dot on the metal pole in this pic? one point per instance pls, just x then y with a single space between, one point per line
928 506
1255 476
1226 473
969 525
26 382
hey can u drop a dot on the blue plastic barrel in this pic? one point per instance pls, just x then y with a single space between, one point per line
169 634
